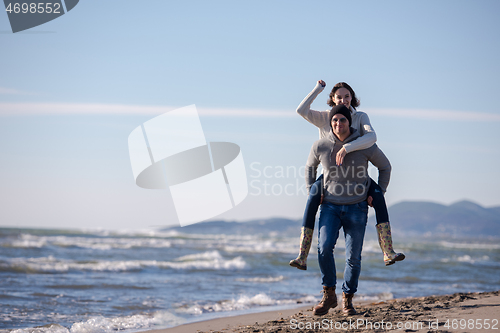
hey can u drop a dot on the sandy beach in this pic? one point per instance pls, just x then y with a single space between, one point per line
461 312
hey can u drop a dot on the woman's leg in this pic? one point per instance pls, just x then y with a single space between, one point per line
306 232
312 205
378 202
383 226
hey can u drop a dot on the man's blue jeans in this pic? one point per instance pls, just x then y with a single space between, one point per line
353 219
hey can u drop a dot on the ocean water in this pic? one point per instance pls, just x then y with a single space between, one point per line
100 281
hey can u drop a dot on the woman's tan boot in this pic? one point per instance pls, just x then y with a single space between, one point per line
385 242
305 245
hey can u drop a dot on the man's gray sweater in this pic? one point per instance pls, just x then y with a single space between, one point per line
346 184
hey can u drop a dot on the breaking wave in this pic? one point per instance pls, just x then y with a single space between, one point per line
244 302
206 261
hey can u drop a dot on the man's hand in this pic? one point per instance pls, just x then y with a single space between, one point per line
370 201
321 200
340 156
323 83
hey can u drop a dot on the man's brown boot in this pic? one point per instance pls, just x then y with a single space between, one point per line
347 307
328 302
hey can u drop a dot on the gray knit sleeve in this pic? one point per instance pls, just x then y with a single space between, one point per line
317 118
312 166
367 138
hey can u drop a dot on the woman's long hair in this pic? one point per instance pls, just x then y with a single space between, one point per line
354 99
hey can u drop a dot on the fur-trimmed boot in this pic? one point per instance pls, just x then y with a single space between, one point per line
385 242
347 307
329 301
306 235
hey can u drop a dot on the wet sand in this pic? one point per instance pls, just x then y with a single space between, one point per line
462 312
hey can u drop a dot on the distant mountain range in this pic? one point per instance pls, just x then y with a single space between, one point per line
262 226
462 219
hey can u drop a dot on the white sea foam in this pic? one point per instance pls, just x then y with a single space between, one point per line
25 241
53 265
259 245
482 246
53 328
268 279
209 255
96 243
107 325
468 259
206 260
244 302
246 244
107 241
379 297
209 264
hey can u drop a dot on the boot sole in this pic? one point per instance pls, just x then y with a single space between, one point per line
349 313
326 312
401 257
301 267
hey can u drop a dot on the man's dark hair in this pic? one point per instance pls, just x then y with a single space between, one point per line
340 109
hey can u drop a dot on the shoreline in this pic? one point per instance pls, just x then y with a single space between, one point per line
460 312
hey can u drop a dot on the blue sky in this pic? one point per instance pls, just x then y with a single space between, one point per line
73 89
